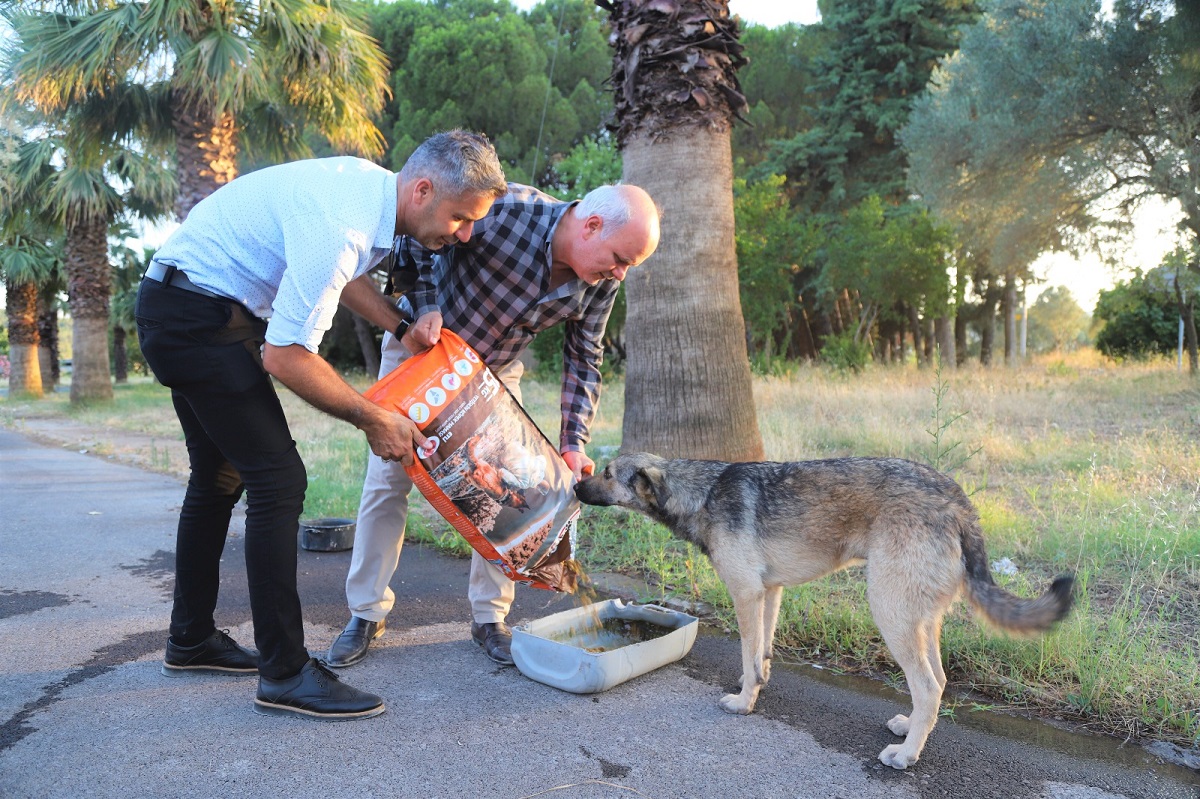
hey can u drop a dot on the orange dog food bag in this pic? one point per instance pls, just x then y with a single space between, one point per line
487 468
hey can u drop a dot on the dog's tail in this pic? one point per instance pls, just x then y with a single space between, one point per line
1009 612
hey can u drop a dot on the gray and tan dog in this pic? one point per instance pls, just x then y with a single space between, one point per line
766 526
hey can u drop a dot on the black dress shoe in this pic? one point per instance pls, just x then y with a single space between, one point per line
315 693
217 654
351 646
496 640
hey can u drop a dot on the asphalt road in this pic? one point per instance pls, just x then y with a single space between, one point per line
86 554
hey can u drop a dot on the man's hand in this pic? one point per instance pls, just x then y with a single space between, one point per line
393 436
579 463
423 333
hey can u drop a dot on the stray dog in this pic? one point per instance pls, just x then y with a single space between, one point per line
770 525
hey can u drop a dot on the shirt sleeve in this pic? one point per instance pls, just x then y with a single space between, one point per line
322 256
423 296
583 354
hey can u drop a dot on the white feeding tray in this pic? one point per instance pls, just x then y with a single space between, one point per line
594 647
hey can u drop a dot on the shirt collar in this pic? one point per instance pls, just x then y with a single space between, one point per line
548 245
387 220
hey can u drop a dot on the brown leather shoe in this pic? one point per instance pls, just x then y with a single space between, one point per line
496 640
351 646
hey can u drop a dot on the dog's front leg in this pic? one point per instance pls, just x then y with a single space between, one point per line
748 604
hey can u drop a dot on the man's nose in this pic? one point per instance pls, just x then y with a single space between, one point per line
464 232
619 272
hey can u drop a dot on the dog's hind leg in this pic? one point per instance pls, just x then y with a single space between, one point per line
748 604
911 643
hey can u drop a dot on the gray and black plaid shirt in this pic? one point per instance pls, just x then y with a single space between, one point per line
493 291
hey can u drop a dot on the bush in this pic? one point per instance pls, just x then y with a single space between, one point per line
1138 323
843 353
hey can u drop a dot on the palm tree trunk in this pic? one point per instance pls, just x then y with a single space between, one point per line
206 150
688 390
120 356
88 284
48 338
25 376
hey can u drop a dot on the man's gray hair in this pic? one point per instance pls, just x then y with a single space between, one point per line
457 162
613 204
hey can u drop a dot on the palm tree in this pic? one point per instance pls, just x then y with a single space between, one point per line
128 265
27 262
93 164
687 387
266 70
24 261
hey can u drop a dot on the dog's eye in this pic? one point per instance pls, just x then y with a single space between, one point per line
607 473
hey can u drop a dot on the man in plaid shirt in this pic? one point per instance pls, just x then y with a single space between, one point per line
531 263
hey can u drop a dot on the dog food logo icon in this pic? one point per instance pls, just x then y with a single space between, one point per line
471 356
435 397
463 367
419 412
451 381
489 385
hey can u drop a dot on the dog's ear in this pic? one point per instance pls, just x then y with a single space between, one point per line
651 485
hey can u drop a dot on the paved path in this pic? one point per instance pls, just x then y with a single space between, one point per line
85 577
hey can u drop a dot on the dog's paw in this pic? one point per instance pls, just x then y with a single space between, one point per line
894 756
737 704
898 724
766 670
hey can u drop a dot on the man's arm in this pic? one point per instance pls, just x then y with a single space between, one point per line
583 354
363 296
391 435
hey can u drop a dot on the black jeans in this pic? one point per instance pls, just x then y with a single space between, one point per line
207 352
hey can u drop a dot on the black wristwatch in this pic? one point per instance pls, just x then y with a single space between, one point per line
401 329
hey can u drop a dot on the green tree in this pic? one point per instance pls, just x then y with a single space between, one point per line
894 261
1139 321
1050 108
1056 322
532 86
771 244
687 386
778 83
880 57
233 76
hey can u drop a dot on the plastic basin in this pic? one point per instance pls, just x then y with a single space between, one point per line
573 668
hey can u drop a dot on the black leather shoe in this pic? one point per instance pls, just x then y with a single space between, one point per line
315 693
217 654
496 640
351 646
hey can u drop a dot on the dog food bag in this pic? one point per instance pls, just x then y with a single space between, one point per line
487 468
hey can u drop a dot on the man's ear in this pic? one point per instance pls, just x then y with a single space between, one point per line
592 226
422 192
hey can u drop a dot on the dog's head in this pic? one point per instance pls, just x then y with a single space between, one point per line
636 480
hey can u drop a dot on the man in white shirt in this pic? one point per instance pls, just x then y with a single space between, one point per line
260 266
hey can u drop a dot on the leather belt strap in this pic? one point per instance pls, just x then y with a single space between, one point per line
170 275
